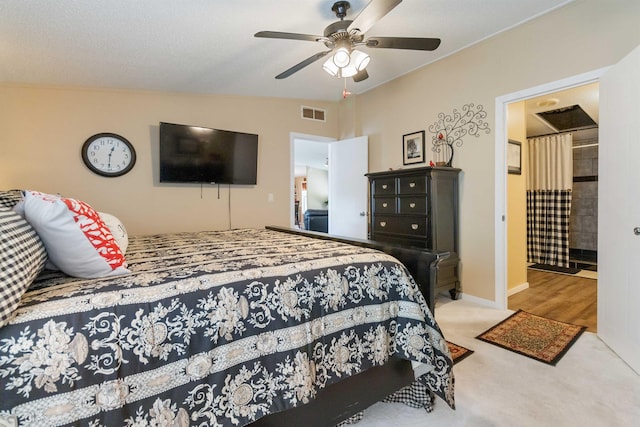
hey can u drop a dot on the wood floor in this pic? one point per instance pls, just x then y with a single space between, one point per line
561 297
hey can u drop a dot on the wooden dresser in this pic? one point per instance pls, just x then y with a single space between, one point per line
418 207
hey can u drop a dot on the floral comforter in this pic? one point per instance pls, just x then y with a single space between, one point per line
211 329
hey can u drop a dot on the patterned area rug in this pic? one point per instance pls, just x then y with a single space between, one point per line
534 336
458 352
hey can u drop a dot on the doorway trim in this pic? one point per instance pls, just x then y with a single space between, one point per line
293 136
501 107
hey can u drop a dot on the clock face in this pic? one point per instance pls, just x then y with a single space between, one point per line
108 154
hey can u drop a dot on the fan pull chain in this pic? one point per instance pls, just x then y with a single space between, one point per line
345 92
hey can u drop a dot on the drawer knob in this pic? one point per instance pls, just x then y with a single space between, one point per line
412 205
414 226
384 205
383 224
412 184
384 186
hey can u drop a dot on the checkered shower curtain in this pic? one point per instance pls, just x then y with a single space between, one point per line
548 226
549 182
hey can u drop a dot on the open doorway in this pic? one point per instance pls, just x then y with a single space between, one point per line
502 221
346 201
567 290
617 237
573 113
311 185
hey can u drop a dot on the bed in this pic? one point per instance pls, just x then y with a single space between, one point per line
221 328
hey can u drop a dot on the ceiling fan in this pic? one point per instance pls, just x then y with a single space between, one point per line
344 36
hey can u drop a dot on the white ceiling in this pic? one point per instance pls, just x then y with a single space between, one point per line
208 47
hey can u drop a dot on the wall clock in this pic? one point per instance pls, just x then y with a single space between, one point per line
108 154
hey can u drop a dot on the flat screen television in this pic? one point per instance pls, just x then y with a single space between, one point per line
194 154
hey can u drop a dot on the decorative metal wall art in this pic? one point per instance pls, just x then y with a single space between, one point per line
451 128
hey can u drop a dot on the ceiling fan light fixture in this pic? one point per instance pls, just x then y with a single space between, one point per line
335 71
342 58
348 71
331 68
360 60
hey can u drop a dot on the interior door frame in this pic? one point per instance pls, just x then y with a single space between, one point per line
501 106
293 136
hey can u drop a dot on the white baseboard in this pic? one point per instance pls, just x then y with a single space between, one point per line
480 301
517 289
489 303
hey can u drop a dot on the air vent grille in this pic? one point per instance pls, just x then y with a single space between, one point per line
311 113
567 118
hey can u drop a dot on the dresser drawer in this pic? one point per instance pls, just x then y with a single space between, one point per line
412 185
412 205
385 205
413 226
384 186
398 239
409 226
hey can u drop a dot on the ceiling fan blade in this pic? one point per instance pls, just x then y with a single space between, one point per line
411 43
301 65
288 36
360 76
372 13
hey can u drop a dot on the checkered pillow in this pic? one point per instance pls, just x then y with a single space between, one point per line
10 198
22 258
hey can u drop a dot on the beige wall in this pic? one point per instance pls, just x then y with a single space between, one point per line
583 36
517 202
44 128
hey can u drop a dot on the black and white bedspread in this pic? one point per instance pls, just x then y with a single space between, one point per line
211 329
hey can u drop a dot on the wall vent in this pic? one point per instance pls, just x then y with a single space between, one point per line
311 113
568 118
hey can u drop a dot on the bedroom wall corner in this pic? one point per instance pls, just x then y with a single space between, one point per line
348 118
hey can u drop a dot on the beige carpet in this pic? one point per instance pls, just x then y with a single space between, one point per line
590 386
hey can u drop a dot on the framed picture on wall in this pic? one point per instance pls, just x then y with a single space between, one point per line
514 157
413 148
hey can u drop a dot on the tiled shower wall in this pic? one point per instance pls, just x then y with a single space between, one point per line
583 231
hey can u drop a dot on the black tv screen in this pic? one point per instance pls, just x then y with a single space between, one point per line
194 154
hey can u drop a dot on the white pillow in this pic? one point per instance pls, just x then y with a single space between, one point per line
77 241
117 230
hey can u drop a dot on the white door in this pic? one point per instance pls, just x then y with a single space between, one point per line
619 210
348 195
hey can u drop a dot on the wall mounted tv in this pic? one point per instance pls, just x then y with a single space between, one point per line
194 154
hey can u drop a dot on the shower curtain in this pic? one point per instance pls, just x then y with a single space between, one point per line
549 183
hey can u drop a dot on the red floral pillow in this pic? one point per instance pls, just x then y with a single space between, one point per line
76 239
